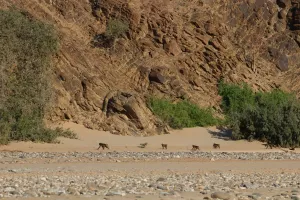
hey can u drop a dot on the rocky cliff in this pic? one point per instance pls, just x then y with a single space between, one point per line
178 49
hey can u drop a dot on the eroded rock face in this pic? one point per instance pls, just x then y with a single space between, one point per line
133 115
174 49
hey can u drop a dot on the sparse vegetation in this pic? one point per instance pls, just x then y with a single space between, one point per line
26 47
115 28
182 114
271 117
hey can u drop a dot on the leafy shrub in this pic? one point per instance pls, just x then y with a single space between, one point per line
4 133
115 28
26 47
235 97
271 117
182 114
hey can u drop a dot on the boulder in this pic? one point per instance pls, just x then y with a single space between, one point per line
128 112
156 76
283 62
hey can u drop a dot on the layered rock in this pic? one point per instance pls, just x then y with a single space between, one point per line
174 49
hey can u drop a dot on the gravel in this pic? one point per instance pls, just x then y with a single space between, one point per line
24 157
219 185
63 181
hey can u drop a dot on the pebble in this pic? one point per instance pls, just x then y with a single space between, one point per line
220 195
161 179
9 189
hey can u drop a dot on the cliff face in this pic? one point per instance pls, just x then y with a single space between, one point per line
176 49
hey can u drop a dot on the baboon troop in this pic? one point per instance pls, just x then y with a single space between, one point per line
195 147
216 146
103 145
164 146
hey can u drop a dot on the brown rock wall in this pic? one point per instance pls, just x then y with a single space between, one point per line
175 49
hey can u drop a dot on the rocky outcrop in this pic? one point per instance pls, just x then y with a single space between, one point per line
173 49
130 116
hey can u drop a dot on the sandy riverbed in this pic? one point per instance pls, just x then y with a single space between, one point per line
276 179
178 140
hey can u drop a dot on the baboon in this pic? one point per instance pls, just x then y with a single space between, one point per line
216 146
164 146
143 145
103 145
267 145
195 147
284 150
292 148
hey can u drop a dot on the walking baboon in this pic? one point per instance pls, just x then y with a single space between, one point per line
103 145
267 145
216 146
195 147
284 150
143 145
164 146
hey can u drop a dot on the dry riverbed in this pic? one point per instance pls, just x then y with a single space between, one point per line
75 170
189 176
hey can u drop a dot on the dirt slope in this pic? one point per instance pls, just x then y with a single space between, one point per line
174 48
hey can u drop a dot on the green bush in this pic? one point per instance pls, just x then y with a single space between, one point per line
271 117
182 114
235 97
26 48
115 28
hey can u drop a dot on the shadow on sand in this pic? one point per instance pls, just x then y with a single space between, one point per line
221 133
